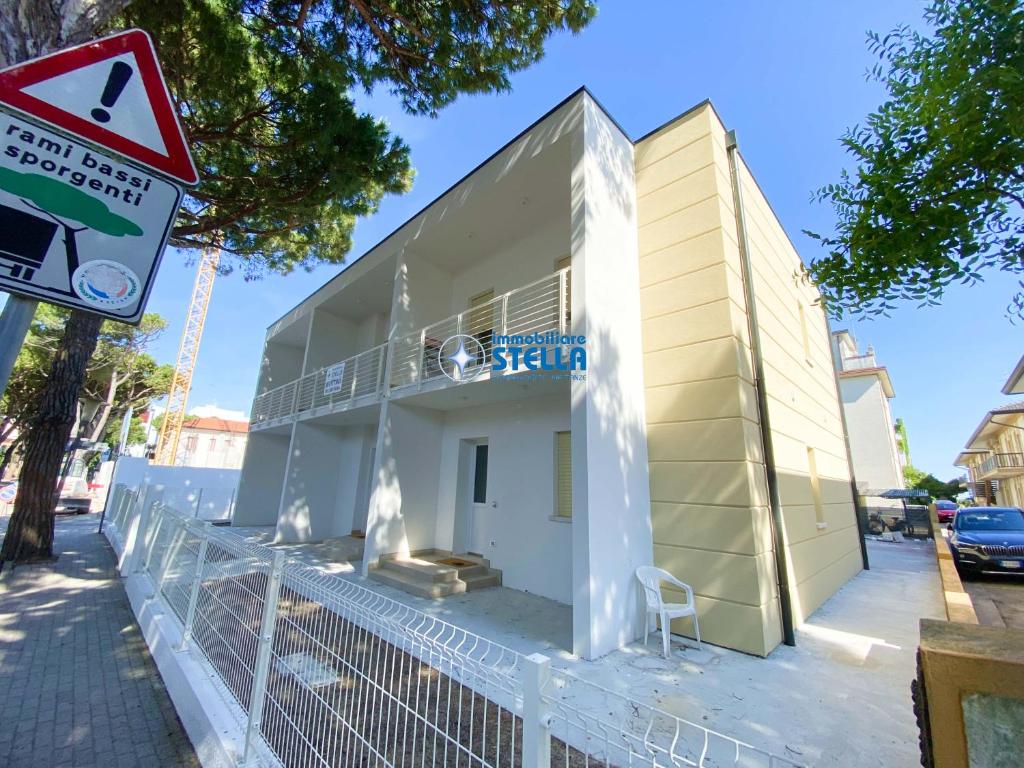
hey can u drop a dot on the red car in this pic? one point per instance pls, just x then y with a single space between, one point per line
946 510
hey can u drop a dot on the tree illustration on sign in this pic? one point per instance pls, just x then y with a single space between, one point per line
59 201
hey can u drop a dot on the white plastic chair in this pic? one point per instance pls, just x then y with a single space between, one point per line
651 578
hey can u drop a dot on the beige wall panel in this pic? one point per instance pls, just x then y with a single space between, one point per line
710 440
747 628
809 596
713 359
716 399
796 489
801 520
682 225
720 483
677 177
686 256
808 557
692 326
689 289
720 575
791 455
726 529
671 138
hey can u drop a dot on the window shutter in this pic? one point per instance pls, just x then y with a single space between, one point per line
563 474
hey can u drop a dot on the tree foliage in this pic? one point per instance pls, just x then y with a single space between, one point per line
265 91
919 479
938 187
121 373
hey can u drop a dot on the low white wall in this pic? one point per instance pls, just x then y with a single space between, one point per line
520 538
183 487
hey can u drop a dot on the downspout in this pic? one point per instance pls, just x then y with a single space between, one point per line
767 447
861 519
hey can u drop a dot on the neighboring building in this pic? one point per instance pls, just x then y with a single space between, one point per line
994 456
866 389
209 441
1015 383
566 484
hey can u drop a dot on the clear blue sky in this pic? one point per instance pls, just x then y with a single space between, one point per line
789 77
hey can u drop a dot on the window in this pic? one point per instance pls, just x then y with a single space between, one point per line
190 443
213 443
480 475
563 474
812 465
479 321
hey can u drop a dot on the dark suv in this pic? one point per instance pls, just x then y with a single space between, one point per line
988 539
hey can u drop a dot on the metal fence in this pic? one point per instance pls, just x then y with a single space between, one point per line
321 671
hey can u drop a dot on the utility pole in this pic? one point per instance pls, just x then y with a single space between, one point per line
14 323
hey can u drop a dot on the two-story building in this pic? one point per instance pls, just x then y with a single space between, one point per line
408 398
866 391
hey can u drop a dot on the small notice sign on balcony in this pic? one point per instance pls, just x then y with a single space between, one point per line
332 381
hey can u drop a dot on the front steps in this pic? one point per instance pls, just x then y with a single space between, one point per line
435 573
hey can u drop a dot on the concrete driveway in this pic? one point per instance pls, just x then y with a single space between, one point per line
998 599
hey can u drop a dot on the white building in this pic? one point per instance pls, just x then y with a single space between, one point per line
210 441
866 391
662 254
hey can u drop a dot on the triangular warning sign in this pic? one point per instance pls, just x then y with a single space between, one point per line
110 92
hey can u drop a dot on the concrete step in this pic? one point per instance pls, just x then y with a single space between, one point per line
415 585
481 580
424 569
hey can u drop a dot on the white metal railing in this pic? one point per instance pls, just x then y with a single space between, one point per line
538 307
321 671
333 387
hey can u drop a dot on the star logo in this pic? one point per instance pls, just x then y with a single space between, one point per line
462 358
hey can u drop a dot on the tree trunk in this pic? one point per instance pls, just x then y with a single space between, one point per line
100 421
30 28
30 533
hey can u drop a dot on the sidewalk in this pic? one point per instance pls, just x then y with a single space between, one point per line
79 687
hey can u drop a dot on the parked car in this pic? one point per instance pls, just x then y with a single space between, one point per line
987 539
946 510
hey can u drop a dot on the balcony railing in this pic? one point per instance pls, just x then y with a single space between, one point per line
1000 465
332 388
539 307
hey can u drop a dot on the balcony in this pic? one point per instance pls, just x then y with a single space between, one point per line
539 307
355 381
1000 466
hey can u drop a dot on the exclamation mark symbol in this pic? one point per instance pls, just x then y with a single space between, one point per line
116 81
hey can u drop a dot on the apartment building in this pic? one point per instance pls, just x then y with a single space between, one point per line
866 390
589 354
994 453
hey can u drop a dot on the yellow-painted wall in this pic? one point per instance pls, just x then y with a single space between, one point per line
709 501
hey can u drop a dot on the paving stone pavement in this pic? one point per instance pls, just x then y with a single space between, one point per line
77 684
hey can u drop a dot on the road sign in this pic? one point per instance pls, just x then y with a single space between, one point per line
78 227
110 92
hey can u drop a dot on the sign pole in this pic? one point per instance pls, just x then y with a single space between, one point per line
14 323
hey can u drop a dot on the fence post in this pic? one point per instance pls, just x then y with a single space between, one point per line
266 640
197 580
536 724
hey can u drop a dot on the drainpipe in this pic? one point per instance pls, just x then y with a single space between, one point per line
861 519
767 448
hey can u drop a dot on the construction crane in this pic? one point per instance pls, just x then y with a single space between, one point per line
181 382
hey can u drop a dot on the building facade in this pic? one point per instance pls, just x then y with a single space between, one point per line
213 442
660 262
866 392
994 457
